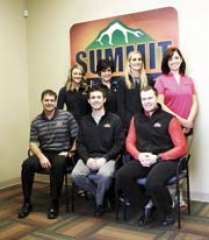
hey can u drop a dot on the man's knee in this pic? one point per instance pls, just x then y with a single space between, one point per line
152 186
28 163
75 175
104 181
121 175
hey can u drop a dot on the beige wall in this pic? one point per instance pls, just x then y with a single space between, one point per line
47 29
14 105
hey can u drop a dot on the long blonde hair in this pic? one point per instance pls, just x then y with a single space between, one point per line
68 84
143 76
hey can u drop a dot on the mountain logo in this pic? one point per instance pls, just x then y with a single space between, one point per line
117 33
150 32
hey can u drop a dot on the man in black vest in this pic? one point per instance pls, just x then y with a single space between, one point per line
155 141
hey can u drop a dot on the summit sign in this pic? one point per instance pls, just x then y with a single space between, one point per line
150 32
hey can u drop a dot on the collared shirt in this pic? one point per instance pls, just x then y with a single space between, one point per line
177 96
54 134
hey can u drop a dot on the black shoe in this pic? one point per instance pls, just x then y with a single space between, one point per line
146 217
25 210
99 211
53 212
169 219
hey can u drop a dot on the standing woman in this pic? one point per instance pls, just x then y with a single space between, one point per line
177 94
74 93
135 79
105 70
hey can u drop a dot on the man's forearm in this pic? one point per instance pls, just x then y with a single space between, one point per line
35 149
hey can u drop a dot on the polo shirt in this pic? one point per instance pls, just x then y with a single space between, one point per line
54 134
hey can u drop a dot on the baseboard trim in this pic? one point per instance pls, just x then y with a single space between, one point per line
16 181
200 197
10 183
195 196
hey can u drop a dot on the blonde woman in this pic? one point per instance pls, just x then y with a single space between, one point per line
74 94
129 87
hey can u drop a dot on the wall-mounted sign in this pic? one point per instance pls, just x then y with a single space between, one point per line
150 32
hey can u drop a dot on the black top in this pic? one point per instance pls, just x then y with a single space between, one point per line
111 95
130 101
75 101
105 139
152 131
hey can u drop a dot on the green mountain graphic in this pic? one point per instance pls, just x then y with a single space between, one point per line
117 33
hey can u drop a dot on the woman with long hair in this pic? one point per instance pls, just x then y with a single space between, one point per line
74 94
135 79
177 94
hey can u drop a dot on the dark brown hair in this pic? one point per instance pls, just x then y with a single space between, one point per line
48 92
168 54
95 88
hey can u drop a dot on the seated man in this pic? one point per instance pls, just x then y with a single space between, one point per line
100 140
156 142
51 134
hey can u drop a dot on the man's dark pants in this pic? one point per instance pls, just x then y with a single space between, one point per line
155 187
32 165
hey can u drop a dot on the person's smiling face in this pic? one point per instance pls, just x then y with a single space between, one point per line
149 100
174 62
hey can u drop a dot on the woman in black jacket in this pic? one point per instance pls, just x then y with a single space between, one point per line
129 87
105 70
74 93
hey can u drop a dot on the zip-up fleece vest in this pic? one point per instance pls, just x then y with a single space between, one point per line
152 132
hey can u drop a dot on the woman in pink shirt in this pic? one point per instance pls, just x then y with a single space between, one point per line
177 93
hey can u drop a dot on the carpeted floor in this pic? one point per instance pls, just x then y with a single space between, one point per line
83 225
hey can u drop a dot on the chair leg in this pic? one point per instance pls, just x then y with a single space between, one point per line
178 204
125 211
188 188
50 185
116 205
66 194
188 195
72 196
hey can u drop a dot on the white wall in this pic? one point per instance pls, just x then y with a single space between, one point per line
14 105
48 27
48 30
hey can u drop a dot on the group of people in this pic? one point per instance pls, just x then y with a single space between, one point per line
149 119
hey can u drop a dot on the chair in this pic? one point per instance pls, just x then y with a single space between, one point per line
182 172
93 177
67 170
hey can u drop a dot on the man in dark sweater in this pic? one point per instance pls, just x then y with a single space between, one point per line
100 140
156 142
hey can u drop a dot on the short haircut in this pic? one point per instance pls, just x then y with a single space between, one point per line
104 64
96 88
48 92
147 88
